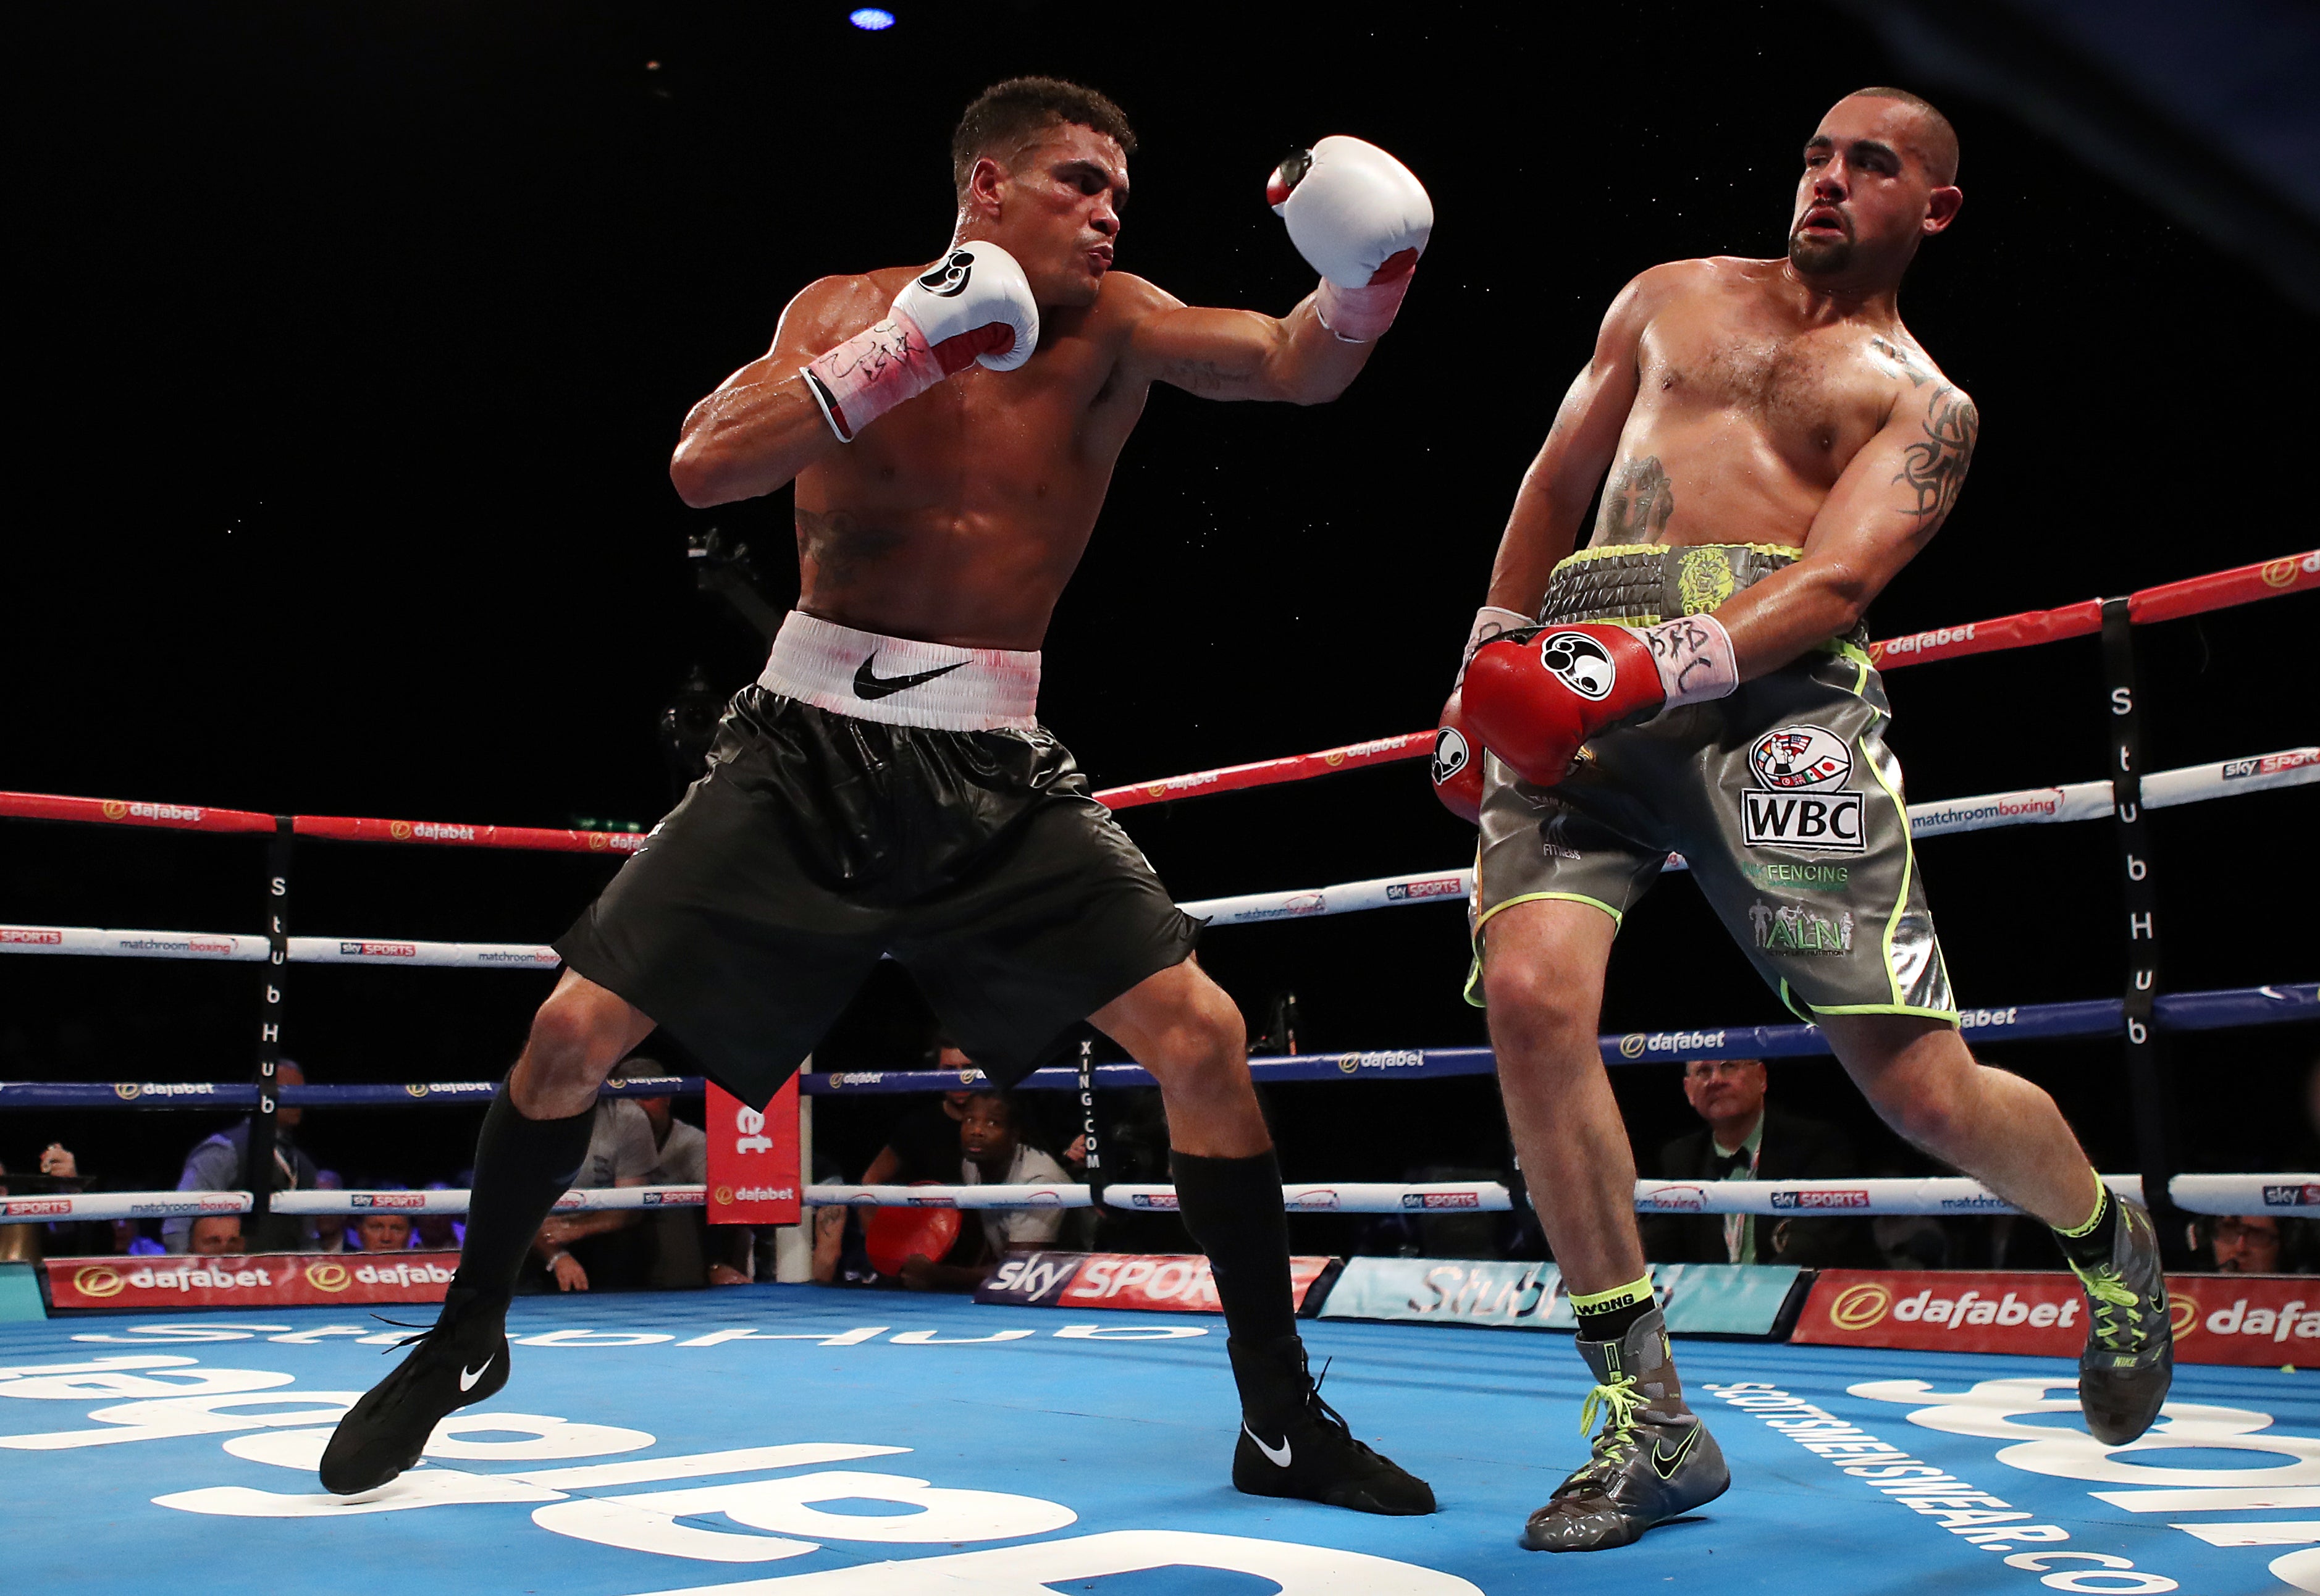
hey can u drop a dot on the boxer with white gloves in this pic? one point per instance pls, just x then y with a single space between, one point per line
885 786
1361 219
973 304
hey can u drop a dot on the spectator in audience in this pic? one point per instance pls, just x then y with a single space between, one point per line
217 1164
19 1244
2244 1244
1747 1139
605 1249
383 1233
129 1241
215 1235
680 1239
924 1143
839 1257
330 1228
992 1153
438 1232
27 1244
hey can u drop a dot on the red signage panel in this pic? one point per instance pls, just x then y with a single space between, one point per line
753 1177
2255 1320
267 1280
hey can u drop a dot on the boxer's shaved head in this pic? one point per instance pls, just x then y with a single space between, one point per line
1008 115
1935 145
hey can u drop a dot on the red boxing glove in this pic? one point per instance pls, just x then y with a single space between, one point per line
1457 764
1535 700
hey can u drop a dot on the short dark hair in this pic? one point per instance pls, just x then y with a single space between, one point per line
1005 1100
1006 114
1940 149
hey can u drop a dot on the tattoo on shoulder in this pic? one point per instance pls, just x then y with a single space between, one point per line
1636 503
1895 355
1933 469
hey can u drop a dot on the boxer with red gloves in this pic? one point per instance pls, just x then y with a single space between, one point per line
1772 448
1539 693
886 785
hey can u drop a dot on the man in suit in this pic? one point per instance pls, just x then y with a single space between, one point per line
1747 1139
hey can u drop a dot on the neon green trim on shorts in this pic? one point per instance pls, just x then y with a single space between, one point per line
1809 1014
1951 1015
1496 909
1610 550
1473 988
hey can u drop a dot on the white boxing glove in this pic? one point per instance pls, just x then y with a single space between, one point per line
974 305
1361 219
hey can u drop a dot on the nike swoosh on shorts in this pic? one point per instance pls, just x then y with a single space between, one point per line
467 1377
868 683
1278 1457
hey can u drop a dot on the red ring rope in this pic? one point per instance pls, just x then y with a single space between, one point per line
2170 600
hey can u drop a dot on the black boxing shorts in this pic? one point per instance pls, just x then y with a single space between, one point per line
1782 798
951 832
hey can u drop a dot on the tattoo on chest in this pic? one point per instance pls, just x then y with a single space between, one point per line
841 547
1636 503
1933 469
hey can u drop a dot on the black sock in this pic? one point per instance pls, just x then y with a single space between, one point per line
1232 1207
1607 1316
2088 1246
521 1167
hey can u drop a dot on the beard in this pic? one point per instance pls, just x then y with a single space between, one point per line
1813 259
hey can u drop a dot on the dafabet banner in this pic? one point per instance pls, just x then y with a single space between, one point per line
270 1280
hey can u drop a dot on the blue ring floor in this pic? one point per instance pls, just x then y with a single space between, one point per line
917 1446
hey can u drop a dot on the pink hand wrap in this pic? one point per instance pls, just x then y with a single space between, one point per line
1695 656
872 372
1357 315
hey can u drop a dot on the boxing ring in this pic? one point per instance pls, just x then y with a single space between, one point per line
788 1440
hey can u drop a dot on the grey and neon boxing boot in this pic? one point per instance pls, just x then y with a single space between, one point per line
1293 1443
1653 1461
2129 1359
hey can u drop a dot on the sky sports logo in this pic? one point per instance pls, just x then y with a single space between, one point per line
2269 764
1828 1199
1436 1200
1407 892
2291 1196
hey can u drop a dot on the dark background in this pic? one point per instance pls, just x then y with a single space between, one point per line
351 342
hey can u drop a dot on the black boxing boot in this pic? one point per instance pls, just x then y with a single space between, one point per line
1293 1443
463 1359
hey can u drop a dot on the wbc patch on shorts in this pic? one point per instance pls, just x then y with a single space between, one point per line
1799 803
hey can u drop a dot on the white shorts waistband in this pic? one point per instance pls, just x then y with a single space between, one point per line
900 681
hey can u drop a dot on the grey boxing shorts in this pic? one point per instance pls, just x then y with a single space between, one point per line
1782 798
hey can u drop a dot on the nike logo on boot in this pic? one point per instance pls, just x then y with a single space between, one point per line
1665 1463
1277 1456
467 1377
868 683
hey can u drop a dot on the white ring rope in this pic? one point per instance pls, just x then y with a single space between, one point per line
2079 800
2290 1194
